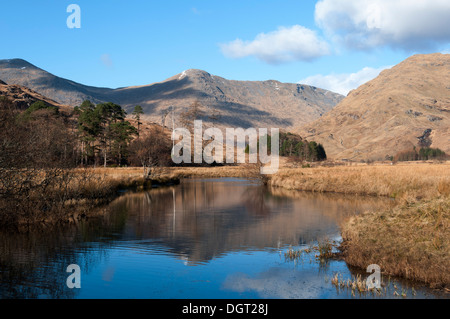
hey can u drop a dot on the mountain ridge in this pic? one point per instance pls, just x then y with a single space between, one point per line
240 103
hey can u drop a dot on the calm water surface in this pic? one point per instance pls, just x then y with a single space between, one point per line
218 238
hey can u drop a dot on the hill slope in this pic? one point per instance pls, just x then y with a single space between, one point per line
20 72
23 97
406 106
239 103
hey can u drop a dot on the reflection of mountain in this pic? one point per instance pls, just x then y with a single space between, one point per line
211 219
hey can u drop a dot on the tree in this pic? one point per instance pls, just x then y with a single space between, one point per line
137 112
121 134
292 145
36 106
152 151
36 155
321 154
88 129
103 128
424 154
108 114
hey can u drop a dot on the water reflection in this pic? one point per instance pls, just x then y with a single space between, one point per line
201 220
219 238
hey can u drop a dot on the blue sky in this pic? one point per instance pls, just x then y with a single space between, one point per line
334 44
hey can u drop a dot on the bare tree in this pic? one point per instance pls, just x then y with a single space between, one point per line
36 154
151 152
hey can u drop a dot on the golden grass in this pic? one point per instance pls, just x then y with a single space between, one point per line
411 240
401 180
130 173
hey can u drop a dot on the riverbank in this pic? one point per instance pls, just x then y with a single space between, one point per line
103 185
126 174
409 180
56 196
410 240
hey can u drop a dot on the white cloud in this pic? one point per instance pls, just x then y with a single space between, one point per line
406 24
106 60
343 83
278 283
295 43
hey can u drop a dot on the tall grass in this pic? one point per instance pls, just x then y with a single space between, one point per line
411 240
398 181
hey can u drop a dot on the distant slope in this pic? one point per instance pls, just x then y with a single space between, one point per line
239 103
23 97
406 106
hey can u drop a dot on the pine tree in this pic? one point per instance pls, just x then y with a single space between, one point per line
137 112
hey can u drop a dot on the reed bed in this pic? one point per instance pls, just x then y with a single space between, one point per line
323 251
358 285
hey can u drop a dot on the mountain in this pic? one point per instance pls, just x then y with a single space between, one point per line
21 72
404 107
238 103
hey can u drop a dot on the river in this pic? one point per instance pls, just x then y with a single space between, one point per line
205 238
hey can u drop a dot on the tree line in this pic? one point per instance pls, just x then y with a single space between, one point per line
423 154
103 134
40 148
296 148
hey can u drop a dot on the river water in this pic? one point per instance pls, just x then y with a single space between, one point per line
205 238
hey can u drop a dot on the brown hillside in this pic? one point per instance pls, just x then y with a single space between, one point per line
23 97
406 106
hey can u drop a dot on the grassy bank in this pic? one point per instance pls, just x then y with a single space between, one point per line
59 195
68 195
102 185
398 181
409 240
130 173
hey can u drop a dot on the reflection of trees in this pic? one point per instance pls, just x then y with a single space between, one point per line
21 255
335 206
255 201
33 264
